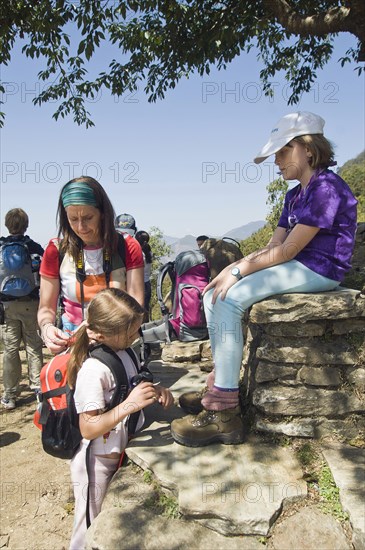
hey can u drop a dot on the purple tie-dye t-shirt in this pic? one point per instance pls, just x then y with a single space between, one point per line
329 204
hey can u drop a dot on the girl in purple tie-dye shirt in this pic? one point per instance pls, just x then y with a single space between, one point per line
310 251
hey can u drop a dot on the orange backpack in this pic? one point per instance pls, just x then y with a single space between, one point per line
56 413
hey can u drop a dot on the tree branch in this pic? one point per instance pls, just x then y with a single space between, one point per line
338 19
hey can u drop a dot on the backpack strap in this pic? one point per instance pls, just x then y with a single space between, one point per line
109 358
233 241
121 248
134 417
167 269
43 399
107 267
108 262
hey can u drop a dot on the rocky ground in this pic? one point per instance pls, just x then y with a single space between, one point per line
36 494
37 509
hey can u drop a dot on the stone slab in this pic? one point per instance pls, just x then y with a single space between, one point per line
317 353
337 304
305 427
302 401
178 352
139 529
128 521
234 490
308 529
230 489
348 469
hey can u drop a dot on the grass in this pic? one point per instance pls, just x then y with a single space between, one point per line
329 493
320 480
160 502
307 455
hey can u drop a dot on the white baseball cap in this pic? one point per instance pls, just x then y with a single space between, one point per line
287 128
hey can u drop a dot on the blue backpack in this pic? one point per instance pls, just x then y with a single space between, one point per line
18 277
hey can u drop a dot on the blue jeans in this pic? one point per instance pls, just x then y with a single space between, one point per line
224 317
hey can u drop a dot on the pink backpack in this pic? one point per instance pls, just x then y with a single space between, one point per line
189 275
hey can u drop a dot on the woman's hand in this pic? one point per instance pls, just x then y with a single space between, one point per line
55 340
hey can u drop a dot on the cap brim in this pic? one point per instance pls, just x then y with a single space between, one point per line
271 148
130 232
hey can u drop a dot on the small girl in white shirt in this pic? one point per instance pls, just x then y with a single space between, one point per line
113 319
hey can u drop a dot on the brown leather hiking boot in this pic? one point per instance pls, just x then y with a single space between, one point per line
191 401
209 427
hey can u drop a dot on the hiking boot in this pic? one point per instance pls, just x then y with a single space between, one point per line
191 401
209 427
8 402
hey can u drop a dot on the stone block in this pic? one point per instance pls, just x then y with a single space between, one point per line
319 353
320 376
301 401
346 428
356 376
268 372
181 352
206 351
338 304
348 326
297 330
303 427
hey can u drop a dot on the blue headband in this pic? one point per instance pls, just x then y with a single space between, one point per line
78 192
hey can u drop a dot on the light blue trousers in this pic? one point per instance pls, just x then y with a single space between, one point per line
224 317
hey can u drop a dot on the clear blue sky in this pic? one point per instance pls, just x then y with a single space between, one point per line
183 164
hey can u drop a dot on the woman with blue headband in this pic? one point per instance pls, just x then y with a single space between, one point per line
88 255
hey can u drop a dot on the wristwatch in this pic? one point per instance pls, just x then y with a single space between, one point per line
236 273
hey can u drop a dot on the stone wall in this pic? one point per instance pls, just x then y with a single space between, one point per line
304 372
304 360
356 277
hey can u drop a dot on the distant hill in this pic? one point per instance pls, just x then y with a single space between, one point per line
244 231
189 243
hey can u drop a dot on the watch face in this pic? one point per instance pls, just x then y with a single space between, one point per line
235 271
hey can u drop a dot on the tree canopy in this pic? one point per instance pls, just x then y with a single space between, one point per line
158 42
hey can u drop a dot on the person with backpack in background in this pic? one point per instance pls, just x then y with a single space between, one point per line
20 259
113 319
88 255
310 251
143 239
126 224
200 240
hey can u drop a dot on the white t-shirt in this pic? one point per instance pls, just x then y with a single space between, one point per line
94 390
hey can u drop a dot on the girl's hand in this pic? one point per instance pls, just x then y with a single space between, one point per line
55 340
221 284
164 396
140 397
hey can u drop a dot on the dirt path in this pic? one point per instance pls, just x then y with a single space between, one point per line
36 493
